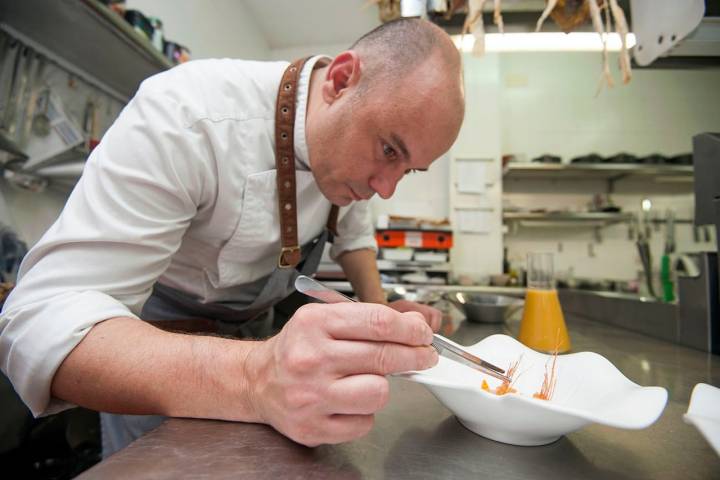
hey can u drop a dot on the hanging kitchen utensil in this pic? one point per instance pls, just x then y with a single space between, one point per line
90 125
11 68
666 280
36 86
7 58
20 81
41 121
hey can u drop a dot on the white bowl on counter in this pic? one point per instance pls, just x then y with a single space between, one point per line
704 413
589 390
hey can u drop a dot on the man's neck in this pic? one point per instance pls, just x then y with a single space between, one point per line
315 101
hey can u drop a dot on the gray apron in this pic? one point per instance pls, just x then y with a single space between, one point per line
249 316
252 320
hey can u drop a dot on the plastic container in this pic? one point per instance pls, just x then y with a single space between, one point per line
431 257
397 254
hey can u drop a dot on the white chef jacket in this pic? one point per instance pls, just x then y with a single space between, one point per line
181 190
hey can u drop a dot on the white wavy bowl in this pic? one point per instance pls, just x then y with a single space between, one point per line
704 413
589 390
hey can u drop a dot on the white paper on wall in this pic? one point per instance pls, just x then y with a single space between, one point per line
475 220
473 175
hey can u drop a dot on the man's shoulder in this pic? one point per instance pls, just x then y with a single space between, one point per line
220 69
221 88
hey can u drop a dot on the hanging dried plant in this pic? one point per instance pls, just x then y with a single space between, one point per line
621 27
388 10
567 14
474 24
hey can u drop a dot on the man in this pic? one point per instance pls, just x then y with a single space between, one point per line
214 182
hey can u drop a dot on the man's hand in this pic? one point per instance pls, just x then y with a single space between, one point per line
432 315
322 378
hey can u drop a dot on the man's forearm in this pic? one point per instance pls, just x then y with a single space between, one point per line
124 365
360 267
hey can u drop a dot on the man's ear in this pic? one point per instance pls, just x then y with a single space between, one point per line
342 74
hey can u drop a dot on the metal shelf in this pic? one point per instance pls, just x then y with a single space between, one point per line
412 266
561 219
85 38
617 171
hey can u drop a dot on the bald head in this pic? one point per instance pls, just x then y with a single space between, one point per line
396 49
391 104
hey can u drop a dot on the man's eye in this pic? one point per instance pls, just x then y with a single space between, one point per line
388 151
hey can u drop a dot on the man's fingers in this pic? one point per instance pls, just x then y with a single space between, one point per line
432 315
435 319
367 321
357 395
344 428
379 358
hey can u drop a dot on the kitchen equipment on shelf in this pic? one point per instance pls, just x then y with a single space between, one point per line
681 159
543 324
589 390
654 159
315 289
622 157
485 307
590 158
400 254
547 158
430 257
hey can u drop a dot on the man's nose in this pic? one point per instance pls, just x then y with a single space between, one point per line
384 183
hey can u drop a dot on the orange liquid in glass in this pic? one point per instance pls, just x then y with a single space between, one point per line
543 325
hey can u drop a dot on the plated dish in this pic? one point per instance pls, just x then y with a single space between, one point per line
588 389
704 413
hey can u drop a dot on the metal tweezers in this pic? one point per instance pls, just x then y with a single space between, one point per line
315 289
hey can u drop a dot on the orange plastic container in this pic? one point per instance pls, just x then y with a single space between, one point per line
436 240
390 238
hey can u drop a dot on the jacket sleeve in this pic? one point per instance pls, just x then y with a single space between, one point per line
122 223
355 230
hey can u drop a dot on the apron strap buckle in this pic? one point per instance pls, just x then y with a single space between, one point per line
289 257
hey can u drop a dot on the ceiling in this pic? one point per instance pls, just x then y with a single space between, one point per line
289 23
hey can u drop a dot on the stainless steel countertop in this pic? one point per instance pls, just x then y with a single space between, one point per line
416 437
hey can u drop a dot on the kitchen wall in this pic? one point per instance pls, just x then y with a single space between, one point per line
518 103
211 29
290 54
548 105
528 104
217 28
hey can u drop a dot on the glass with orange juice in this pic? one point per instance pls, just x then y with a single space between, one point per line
543 325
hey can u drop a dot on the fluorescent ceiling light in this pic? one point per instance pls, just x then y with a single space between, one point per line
544 42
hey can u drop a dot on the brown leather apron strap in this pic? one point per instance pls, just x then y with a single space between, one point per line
285 164
332 220
290 254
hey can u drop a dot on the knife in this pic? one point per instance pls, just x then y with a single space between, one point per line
315 289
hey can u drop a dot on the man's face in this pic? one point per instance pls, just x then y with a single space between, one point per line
362 145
